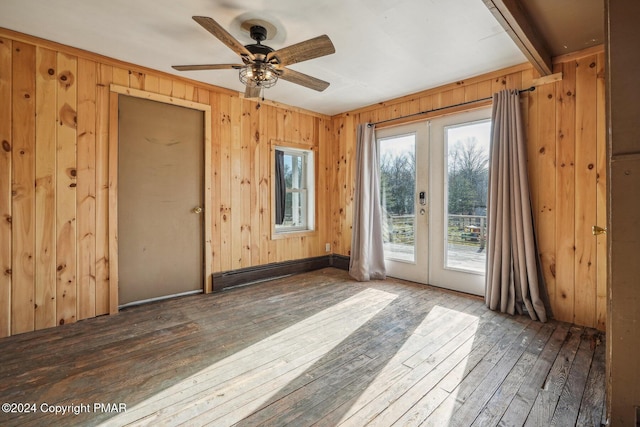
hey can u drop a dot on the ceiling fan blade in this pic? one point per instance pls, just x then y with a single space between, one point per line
207 67
302 79
223 35
303 51
252 92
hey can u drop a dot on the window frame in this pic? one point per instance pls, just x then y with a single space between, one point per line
311 159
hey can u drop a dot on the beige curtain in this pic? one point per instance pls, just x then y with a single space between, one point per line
513 280
367 252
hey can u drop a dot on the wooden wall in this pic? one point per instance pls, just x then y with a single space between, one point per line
54 178
567 168
54 181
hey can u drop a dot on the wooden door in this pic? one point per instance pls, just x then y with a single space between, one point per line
160 200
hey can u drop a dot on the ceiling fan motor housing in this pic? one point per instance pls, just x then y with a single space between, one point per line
258 33
260 51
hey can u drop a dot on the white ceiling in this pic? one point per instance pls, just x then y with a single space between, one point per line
384 48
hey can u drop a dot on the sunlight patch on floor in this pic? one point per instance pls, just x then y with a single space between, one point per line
437 345
234 387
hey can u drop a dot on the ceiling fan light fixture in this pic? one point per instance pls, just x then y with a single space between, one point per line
262 65
258 74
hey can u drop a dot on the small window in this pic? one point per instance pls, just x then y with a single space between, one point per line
294 197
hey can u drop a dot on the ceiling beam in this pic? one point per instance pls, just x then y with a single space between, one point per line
516 23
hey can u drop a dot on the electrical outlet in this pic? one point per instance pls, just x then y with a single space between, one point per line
327 247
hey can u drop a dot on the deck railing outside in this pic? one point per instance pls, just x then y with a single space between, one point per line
466 237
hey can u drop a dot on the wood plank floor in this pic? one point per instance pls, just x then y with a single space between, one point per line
314 349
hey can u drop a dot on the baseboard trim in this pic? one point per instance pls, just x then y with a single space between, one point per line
264 272
340 261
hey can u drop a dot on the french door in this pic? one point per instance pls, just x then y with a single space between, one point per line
434 181
460 170
404 182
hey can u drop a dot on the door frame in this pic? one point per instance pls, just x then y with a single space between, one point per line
115 92
479 108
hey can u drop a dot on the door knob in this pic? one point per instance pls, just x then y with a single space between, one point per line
197 210
595 230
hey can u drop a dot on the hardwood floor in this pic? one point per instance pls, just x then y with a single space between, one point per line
313 349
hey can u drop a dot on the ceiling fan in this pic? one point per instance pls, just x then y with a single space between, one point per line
262 66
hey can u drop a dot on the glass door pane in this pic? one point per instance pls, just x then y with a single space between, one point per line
460 153
397 195
466 180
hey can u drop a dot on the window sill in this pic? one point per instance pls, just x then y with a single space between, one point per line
291 234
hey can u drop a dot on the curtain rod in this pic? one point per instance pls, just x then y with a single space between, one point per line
531 89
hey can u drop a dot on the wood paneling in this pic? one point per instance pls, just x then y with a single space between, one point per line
236 185
546 200
45 293
270 130
567 172
224 166
585 195
56 253
22 188
5 186
66 182
601 196
563 299
263 172
112 205
64 218
105 75
86 189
